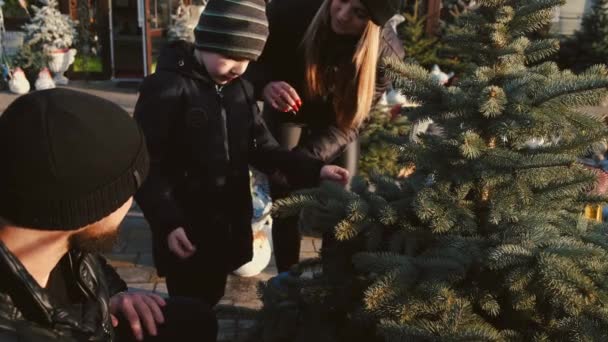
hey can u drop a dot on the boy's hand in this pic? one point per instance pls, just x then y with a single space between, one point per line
179 244
335 173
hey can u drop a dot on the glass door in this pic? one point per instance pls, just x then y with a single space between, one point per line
158 14
127 38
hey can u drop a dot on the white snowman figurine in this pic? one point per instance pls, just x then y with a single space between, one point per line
261 225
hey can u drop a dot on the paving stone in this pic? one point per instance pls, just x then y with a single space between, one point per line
121 259
140 245
317 243
245 328
119 246
142 287
246 324
308 255
226 301
226 330
268 273
254 304
145 259
242 289
306 245
135 274
141 232
227 311
161 289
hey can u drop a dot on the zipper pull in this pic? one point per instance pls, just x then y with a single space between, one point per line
218 90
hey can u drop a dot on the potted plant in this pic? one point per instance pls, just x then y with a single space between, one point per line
55 34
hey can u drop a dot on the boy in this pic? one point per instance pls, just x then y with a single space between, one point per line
203 129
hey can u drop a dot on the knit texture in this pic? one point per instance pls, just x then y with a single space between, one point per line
234 28
69 159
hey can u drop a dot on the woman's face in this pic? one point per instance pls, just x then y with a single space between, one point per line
348 17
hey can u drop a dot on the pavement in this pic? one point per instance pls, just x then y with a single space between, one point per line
132 258
132 255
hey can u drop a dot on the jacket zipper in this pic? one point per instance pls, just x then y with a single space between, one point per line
218 90
224 116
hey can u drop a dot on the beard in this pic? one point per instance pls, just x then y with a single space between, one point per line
92 241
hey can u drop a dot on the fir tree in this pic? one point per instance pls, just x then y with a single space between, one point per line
589 45
595 30
49 29
486 240
416 43
378 153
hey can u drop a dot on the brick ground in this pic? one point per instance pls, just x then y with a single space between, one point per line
133 260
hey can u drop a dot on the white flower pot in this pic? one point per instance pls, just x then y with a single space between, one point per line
60 61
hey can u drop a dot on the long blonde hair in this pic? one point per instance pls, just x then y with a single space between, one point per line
354 88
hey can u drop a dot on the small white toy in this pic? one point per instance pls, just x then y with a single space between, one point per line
18 83
261 225
44 81
439 76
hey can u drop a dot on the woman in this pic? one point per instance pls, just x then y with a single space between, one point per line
319 76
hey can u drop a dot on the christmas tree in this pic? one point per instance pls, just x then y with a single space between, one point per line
377 140
416 43
589 45
49 29
486 240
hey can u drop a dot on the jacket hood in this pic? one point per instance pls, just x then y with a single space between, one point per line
179 57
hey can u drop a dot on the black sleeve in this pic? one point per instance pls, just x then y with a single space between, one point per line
328 143
114 281
156 111
268 156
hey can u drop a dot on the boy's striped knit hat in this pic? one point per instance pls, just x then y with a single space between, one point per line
234 28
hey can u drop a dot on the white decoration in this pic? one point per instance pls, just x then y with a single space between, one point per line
262 250
44 81
261 226
394 21
18 83
439 76
59 63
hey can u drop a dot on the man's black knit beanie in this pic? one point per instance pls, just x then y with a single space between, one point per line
69 159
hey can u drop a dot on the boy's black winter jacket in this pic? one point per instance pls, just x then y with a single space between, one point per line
201 139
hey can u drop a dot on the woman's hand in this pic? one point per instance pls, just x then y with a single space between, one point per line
282 97
335 173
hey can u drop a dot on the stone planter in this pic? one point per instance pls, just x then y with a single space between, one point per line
60 61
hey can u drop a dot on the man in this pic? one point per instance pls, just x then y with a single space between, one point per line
70 164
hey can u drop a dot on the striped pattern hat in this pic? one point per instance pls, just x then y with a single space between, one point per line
234 28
